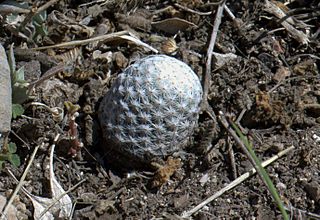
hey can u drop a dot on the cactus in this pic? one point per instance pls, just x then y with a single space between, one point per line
151 108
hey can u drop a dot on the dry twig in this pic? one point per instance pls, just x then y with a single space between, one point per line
51 72
106 37
62 195
301 213
191 10
207 77
126 35
276 11
231 158
245 147
7 9
234 183
20 184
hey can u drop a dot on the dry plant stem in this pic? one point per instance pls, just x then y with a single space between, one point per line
229 12
105 37
91 3
52 173
191 10
20 139
60 196
294 211
303 55
139 42
46 5
207 76
225 123
312 105
276 11
262 173
51 72
76 144
7 9
231 157
72 210
56 112
51 159
288 80
21 182
234 183
42 105
214 3
162 10
27 19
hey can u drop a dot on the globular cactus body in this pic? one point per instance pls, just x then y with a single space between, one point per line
151 108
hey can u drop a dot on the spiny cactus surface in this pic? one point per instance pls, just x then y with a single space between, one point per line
151 108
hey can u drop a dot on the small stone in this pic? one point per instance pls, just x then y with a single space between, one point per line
313 190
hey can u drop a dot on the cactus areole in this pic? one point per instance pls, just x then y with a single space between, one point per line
151 108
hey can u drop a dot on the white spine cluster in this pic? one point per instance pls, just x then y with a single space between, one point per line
152 107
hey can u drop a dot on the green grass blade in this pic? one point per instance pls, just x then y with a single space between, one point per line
263 173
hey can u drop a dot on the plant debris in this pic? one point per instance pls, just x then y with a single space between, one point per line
258 62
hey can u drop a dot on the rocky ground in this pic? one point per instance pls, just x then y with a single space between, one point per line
264 74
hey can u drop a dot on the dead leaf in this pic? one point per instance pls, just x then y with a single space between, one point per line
136 21
103 205
173 25
61 23
70 56
98 55
120 59
304 67
64 205
11 214
55 92
164 173
263 101
59 206
169 46
281 74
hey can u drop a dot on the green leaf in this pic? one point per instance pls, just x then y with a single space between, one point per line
38 22
12 148
14 159
19 85
19 75
19 94
4 157
17 110
12 18
40 17
262 172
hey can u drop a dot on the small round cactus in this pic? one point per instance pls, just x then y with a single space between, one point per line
151 108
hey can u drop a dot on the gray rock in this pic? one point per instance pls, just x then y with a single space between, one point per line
5 93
